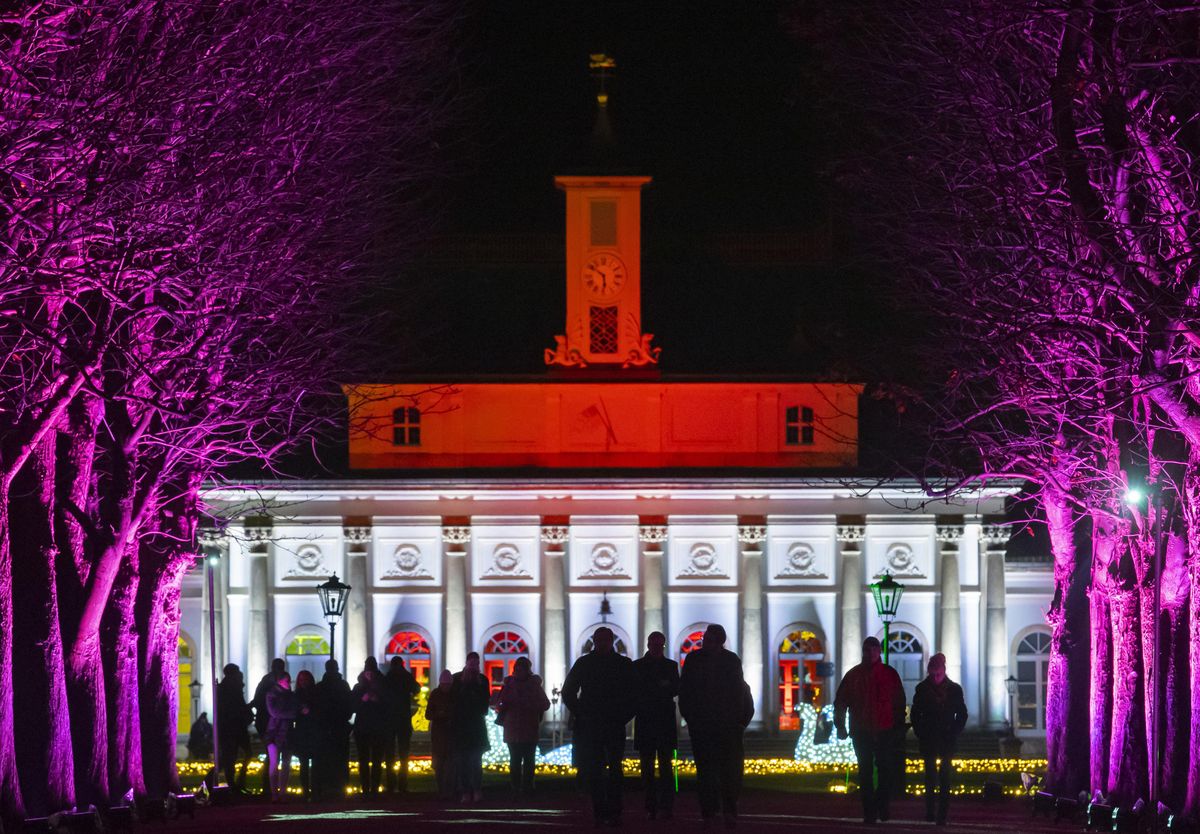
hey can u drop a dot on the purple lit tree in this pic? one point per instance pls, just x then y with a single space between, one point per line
1029 170
192 197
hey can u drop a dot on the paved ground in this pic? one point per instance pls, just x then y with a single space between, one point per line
559 808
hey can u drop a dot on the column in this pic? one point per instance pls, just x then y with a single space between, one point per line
214 545
355 626
995 628
556 657
949 538
850 539
651 538
258 633
456 540
751 538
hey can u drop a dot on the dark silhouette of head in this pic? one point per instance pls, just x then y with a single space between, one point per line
937 668
522 668
602 640
305 679
397 662
331 666
872 650
714 638
371 664
656 644
278 665
472 665
231 669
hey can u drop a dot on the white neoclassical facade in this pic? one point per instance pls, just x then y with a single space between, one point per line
512 567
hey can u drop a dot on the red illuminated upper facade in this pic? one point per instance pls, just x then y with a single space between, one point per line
602 404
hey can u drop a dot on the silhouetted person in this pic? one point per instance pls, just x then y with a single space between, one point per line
233 720
200 738
654 733
282 708
715 702
440 712
333 716
599 691
306 735
370 726
261 718
939 714
874 696
520 704
401 688
469 697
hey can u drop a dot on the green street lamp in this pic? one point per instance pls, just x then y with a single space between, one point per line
333 594
887 593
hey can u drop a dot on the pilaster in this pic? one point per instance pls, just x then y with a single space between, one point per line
554 599
356 628
850 542
259 650
949 643
455 540
995 627
651 538
750 539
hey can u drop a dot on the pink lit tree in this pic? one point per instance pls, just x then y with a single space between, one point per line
192 199
1029 172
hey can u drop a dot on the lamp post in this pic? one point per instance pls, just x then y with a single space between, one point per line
194 687
1010 683
887 593
605 608
211 561
333 594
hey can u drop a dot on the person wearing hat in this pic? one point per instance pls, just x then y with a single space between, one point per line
939 713
873 695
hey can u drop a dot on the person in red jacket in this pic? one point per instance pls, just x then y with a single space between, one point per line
874 696
520 704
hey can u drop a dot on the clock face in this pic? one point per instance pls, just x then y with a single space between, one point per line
604 274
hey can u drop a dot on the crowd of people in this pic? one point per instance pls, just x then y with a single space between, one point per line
314 722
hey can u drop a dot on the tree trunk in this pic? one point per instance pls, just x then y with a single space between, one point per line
121 661
158 625
85 670
43 731
1190 506
1100 705
1127 760
1067 744
12 806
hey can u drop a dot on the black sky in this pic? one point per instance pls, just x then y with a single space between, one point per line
707 101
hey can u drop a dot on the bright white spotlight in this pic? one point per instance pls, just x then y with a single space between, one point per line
1134 496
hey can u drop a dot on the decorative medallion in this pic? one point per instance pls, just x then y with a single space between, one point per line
703 563
606 562
310 563
801 562
900 561
506 564
408 564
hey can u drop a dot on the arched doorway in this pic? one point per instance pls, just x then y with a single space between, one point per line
691 639
1031 662
621 644
412 645
801 653
500 653
906 654
184 718
306 648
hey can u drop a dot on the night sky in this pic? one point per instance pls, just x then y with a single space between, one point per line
708 101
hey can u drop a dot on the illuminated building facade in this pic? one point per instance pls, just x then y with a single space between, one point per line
498 515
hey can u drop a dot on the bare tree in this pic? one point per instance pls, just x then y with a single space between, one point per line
1029 170
191 198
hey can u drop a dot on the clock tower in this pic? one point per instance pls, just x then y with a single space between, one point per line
604 265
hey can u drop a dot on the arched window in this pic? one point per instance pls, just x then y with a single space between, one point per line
692 639
621 644
410 644
500 653
801 652
906 654
307 647
184 718
1032 662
